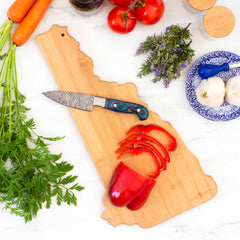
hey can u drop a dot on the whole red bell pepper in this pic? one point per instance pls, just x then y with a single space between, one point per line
128 188
148 128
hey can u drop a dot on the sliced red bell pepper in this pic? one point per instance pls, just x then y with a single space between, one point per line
128 188
137 143
148 128
141 136
139 150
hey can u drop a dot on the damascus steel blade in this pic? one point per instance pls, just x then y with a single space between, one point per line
73 100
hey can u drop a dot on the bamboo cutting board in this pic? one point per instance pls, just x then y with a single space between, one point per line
181 187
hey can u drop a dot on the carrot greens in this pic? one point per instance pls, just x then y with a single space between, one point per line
31 177
29 174
5 32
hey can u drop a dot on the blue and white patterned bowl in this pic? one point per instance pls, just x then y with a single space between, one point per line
226 111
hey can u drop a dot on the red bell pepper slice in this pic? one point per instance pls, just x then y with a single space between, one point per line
139 150
148 128
136 143
128 188
141 136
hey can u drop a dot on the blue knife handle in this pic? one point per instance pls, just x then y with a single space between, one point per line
209 70
127 107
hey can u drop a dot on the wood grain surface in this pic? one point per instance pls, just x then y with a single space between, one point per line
181 187
219 21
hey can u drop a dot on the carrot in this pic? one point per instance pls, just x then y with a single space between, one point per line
19 9
30 22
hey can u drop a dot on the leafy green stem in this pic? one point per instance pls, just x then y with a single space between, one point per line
5 32
29 172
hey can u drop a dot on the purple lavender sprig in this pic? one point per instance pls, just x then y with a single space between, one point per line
167 54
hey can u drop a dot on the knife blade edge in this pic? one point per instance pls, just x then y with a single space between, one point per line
71 99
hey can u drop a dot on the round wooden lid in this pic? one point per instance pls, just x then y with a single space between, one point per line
219 21
201 5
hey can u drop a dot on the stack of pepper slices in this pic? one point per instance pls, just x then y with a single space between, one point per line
128 188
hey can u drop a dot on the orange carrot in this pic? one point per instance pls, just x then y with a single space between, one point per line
30 22
19 9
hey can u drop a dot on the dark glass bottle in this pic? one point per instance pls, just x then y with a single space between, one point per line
86 7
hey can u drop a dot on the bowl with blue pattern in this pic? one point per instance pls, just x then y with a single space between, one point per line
226 111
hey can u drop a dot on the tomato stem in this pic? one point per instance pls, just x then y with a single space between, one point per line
141 3
125 17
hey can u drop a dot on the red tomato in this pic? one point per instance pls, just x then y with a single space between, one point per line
150 11
121 2
122 20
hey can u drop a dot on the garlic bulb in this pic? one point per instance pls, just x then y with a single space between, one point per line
233 91
211 92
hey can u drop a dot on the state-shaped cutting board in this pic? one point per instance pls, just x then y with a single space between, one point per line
181 187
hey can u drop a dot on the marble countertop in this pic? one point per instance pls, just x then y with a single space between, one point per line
214 143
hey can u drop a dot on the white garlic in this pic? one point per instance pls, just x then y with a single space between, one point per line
211 92
233 91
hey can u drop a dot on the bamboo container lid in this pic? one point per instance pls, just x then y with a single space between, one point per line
219 21
201 5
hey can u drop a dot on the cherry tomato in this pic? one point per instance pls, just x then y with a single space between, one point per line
122 20
121 2
149 11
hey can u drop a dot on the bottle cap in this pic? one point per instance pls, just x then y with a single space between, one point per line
202 5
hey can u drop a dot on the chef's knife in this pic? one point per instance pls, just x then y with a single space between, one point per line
86 102
209 70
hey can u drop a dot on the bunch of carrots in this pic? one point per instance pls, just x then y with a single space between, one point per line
26 12
29 174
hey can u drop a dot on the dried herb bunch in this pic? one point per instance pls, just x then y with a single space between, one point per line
167 54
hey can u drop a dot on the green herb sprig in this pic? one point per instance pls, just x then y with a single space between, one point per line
167 54
30 175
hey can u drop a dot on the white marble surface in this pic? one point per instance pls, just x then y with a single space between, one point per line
216 145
